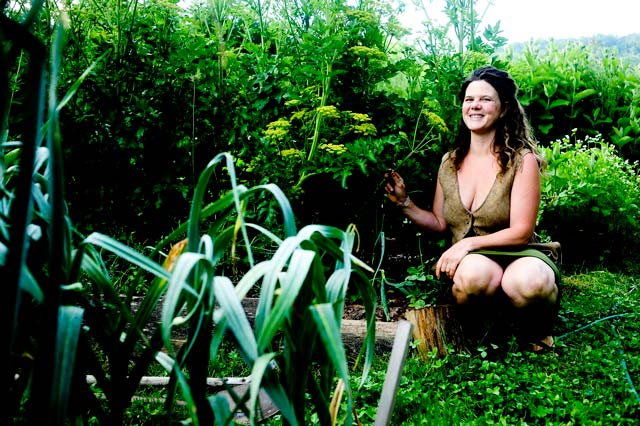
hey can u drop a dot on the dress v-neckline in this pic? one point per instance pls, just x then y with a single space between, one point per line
493 184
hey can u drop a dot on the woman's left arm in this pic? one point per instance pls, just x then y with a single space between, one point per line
525 200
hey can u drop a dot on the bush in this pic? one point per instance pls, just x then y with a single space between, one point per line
590 201
585 87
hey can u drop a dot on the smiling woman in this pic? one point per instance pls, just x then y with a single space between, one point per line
481 107
488 195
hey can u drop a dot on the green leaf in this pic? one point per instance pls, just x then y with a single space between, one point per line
291 283
236 317
69 325
584 94
558 103
278 262
187 266
220 407
329 329
126 253
261 369
76 85
29 284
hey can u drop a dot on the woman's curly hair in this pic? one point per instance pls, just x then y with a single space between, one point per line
513 132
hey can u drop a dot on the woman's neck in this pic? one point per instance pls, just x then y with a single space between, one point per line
482 144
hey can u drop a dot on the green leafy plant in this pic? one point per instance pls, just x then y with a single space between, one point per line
592 378
420 285
67 319
576 87
297 326
590 201
422 288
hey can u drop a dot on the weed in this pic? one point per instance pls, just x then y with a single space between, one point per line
422 288
590 380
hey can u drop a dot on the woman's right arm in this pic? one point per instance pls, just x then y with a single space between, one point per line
427 220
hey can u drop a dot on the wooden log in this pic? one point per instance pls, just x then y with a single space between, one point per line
164 381
436 327
354 332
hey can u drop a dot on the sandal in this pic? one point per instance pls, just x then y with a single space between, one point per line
546 344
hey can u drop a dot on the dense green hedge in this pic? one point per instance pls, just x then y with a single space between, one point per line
591 202
319 99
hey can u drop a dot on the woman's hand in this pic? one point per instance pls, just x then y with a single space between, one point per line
450 259
394 186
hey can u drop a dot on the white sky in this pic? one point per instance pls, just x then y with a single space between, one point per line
524 20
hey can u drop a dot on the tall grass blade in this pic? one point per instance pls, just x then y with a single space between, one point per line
237 319
179 290
278 262
218 206
127 253
196 206
260 373
329 328
20 211
220 406
76 84
291 283
289 223
69 325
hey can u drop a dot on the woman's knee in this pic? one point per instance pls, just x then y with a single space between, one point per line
529 280
476 276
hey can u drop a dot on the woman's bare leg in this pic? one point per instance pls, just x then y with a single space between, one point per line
528 280
476 276
530 285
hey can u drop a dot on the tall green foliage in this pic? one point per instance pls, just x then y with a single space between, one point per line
590 201
335 57
130 126
42 332
67 319
292 89
577 87
318 97
450 50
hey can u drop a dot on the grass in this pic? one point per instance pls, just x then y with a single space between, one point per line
591 379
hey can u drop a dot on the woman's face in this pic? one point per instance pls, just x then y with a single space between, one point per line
481 107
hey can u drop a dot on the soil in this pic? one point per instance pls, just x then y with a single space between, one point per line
397 307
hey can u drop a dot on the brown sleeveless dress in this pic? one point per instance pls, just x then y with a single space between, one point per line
492 215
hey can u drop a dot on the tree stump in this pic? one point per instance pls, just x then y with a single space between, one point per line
436 327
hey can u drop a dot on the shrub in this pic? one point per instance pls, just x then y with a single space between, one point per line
585 87
590 201
66 318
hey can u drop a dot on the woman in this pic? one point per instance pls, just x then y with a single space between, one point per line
488 195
